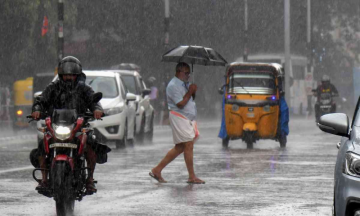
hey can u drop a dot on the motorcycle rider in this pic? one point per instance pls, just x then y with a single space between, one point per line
70 92
325 87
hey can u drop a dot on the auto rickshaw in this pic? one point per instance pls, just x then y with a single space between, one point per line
23 100
254 105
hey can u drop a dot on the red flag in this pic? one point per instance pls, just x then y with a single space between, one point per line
44 28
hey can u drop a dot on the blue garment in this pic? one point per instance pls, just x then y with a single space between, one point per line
223 132
284 116
175 92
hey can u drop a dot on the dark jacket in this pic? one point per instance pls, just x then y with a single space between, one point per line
58 95
330 88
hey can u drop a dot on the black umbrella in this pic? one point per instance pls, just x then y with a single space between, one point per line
194 55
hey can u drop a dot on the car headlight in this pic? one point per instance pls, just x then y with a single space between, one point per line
352 164
62 132
115 110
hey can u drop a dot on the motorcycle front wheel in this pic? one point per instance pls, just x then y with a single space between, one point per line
65 202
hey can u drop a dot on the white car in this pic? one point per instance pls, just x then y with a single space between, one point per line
144 110
118 124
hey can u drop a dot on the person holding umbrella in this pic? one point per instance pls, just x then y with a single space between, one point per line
182 115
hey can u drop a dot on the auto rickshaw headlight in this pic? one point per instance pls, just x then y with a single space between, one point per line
266 108
19 112
235 107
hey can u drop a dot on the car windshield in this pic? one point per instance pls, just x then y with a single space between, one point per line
252 83
105 85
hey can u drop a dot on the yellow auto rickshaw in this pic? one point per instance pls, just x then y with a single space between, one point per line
23 100
253 95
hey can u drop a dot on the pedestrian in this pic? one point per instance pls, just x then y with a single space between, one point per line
182 114
154 97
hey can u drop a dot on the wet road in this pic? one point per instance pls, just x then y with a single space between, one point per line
264 181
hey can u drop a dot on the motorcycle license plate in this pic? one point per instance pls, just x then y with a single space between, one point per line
63 145
325 106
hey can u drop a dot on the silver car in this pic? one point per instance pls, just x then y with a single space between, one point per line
347 168
144 128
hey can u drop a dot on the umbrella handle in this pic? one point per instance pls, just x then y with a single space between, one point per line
193 75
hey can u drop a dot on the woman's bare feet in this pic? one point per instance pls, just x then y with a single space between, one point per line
195 181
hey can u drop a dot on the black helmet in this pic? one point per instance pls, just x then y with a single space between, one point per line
69 66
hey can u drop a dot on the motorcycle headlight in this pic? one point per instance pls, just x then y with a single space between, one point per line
117 109
62 132
352 164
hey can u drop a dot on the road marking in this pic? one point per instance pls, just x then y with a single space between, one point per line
16 169
18 137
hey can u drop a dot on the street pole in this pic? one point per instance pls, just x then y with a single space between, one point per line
60 30
287 50
309 78
164 76
245 58
308 36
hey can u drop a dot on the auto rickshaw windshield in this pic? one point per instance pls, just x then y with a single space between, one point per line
253 83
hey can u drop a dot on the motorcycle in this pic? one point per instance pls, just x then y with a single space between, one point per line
325 104
65 140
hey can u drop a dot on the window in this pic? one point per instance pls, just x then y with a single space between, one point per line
106 85
130 84
122 89
252 80
254 83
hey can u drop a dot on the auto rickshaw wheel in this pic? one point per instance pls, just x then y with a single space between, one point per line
225 142
249 139
282 141
249 143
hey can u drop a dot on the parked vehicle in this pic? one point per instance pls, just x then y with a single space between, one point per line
65 138
119 121
253 96
346 200
144 110
23 98
40 81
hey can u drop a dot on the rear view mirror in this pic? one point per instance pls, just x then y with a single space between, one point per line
96 97
130 97
146 92
335 123
37 94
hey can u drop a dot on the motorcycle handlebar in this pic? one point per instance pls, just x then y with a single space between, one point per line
87 115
